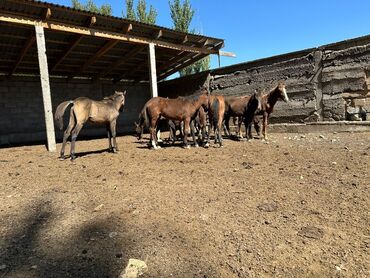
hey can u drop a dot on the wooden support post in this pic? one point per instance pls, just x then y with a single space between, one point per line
152 70
45 86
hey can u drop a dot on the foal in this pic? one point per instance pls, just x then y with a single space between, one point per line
267 106
84 110
178 109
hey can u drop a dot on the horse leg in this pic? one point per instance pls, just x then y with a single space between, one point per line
67 133
159 140
109 134
75 133
114 134
219 128
239 127
186 133
264 126
192 129
153 137
257 126
227 125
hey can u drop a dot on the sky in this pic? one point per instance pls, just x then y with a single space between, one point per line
254 29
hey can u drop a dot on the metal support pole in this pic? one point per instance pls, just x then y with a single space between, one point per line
45 86
152 70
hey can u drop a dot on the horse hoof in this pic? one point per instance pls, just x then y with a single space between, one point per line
62 157
73 158
196 145
187 147
206 146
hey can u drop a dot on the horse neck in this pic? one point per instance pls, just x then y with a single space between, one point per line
116 104
272 98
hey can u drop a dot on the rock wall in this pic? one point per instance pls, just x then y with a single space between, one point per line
321 82
22 113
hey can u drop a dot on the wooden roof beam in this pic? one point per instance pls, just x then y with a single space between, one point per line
103 34
157 34
192 60
30 41
89 22
133 52
69 49
131 71
127 28
106 47
47 14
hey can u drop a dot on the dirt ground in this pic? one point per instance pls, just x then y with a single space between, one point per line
296 206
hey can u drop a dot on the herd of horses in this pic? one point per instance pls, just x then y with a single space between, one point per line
189 114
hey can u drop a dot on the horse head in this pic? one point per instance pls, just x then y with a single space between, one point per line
280 89
119 99
139 131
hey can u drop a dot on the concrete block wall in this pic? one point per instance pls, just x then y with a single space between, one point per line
22 112
320 81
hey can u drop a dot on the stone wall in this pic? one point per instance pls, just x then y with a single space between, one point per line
22 112
321 82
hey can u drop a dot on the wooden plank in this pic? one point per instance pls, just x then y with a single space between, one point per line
30 41
106 47
45 86
134 51
152 71
104 34
127 28
131 71
185 64
226 54
47 14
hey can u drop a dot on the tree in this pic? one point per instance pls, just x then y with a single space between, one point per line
141 14
90 6
182 15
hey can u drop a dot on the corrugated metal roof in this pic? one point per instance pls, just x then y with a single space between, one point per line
69 53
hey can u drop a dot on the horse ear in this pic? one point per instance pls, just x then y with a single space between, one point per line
124 92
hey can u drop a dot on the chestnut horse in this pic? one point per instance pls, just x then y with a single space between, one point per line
178 109
268 102
243 108
84 110
216 116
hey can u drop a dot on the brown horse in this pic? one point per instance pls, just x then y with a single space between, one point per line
268 102
84 110
216 116
242 108
178 109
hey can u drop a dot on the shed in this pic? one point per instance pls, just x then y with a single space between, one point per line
69 46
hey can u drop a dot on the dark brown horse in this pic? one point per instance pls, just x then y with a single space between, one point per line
84 110
216 116
178 109
267 106
243 108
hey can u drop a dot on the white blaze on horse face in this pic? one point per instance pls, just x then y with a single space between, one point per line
286 99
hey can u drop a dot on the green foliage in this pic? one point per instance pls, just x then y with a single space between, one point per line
130 12
182 15
141 12
90 6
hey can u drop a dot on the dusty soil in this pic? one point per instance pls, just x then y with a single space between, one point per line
297 206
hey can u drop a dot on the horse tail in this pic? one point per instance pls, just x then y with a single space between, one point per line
215 112
59 112
143 117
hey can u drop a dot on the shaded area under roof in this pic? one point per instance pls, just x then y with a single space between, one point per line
85 44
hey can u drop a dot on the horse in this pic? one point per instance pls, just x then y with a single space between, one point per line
267 106
84 110
216 116
178 109
242 109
